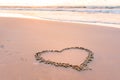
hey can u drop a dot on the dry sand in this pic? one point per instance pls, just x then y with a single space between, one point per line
21 38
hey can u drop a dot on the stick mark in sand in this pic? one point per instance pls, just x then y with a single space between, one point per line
83 66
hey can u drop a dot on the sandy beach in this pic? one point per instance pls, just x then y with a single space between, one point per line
21 38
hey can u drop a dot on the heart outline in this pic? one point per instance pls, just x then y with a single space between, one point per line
81 67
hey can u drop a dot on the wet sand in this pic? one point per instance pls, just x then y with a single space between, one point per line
21 38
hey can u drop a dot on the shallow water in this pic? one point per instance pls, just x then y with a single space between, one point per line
98 16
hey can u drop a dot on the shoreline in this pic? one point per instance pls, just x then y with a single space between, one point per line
17 15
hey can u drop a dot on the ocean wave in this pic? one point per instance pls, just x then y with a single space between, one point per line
112 10
87 21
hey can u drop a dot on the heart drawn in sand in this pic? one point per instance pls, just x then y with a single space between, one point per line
82 66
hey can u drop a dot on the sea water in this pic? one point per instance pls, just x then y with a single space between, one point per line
106 16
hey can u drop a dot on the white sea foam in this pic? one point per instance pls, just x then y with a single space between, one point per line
104 17
16 15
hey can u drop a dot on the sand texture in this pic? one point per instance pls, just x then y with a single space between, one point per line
21 39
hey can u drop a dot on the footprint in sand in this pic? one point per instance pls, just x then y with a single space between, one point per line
23 59
2 46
